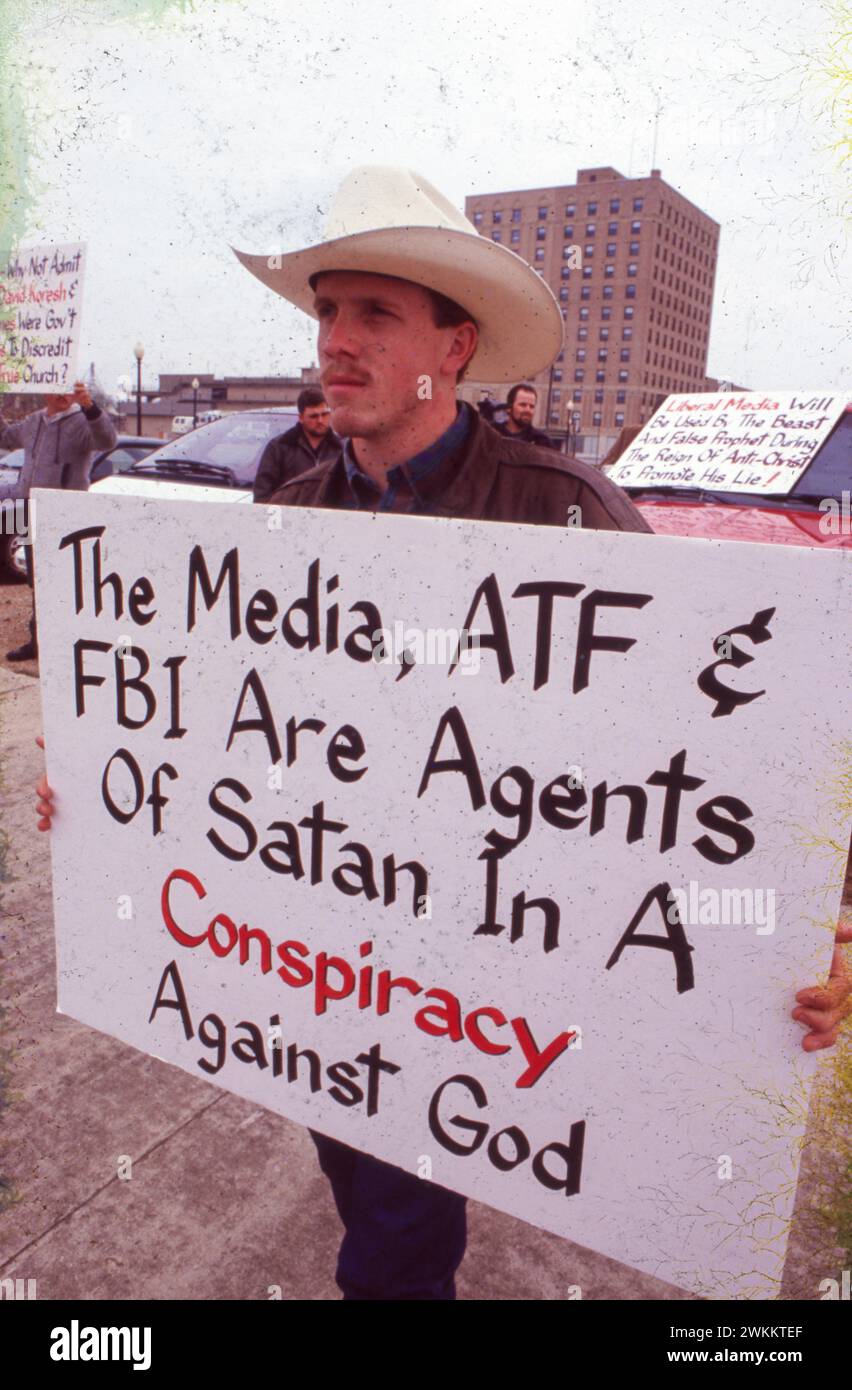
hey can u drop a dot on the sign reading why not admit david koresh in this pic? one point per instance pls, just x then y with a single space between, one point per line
525 918
41 292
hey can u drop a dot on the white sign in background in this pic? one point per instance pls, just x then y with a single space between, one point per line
749 442
686 1065
41 295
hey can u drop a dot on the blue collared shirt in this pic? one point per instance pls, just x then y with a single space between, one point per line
420 477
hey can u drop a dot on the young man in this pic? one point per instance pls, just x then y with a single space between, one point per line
521 401
59 443
311 441
408 297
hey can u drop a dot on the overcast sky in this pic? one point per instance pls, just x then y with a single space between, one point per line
161 143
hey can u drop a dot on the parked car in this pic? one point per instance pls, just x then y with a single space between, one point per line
129 449
223 454
817 511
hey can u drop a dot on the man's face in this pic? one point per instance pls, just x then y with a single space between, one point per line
316 420
377 341
523 408
54 405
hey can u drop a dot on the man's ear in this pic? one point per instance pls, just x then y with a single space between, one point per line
462 347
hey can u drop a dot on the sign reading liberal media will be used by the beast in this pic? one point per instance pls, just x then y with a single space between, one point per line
748 442
465 906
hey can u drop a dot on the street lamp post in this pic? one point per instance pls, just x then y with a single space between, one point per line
138 353
195 385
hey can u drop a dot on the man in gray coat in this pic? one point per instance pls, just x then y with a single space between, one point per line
59 442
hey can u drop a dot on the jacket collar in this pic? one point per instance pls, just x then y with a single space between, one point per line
474 468
62 415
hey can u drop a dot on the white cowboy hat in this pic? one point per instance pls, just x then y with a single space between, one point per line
390 221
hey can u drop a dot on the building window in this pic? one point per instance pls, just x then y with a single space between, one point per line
600 375
630 292
557 374
516 214
541 235
634 248
567 253
582 332
631 269
596 417
607 291
606 312
556 397
542 213
627 332
589 250
568 230
563 293
625 355
614 204
581 354
496 217
584 313
620 397
622 375
586 292
604 335
539 253
602 354
579 374
516 236
628 309
577 397
599 396
619 417
590 228
570 209
609 271
610 248
591 209
634 228
638 204
477 219
496 236
587 272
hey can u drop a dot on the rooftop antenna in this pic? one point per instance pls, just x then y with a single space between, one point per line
657 114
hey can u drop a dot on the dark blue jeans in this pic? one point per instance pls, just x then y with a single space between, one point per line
404 1237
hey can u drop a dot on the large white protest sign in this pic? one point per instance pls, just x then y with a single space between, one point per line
746 442
529 922
41 292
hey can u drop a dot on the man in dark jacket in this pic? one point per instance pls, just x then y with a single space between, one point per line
392 348
519 422
59 443
310 442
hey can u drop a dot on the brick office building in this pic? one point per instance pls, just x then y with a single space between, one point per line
632 263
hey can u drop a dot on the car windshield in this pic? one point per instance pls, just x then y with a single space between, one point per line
233 444
14 459
828 475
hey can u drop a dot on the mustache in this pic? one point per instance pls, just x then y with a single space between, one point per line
332 375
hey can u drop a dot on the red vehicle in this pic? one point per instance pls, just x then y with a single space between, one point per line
817 510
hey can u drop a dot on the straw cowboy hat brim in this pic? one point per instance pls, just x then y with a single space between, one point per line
413 233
